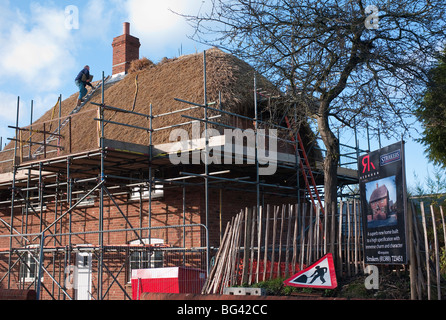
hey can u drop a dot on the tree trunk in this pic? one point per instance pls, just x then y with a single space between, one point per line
330 176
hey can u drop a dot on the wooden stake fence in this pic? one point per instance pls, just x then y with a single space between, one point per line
278 241
428 279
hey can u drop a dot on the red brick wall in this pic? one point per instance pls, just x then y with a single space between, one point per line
166 211
15 294
125 50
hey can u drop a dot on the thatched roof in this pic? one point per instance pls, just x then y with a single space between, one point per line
229 83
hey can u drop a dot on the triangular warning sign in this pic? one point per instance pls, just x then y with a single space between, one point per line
321 274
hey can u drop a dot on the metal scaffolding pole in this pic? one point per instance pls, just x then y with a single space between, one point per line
41 197
256 126
28 180
149 231
58 128
206 181
14 172
101 196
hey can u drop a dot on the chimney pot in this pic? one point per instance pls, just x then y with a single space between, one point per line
126 28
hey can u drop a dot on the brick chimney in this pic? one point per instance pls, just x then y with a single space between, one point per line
125 50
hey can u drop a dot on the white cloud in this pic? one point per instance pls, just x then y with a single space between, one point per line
157 26
153 18
8 114
8 110
8 107
37 48
96 19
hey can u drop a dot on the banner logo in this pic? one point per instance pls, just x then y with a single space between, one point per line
367 164
390 158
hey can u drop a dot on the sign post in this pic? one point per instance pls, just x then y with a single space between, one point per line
382 188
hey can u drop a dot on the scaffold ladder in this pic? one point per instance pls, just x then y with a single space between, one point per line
54 134
307 173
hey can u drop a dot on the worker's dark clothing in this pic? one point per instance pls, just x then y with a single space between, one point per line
81 82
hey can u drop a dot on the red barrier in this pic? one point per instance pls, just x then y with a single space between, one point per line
167 280
15 294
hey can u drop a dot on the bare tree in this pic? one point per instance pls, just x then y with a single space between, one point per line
347 63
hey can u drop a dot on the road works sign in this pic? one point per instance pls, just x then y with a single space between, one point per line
321 275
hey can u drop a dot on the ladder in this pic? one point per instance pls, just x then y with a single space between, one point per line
310 182
54 135
304 166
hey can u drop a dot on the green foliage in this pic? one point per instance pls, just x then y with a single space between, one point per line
273 287
276 287
357 290
443 262
432 112
433 189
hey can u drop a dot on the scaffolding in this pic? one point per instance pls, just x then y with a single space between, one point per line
112 175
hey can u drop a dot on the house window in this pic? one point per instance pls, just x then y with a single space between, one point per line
34 202
144 258
36 207
29 268
88 201
157 192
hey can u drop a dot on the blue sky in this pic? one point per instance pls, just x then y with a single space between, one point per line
418 168
44 44
42 47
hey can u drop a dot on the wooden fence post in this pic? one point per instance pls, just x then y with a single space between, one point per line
310 237
341 208
259 242
437 254
410 241
426 245
302 237
347 253
287 248
273 247
265 256
296 230
251 262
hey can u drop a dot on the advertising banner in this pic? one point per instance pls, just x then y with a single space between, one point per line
382 188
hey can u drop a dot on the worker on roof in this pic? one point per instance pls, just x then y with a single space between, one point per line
82 80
